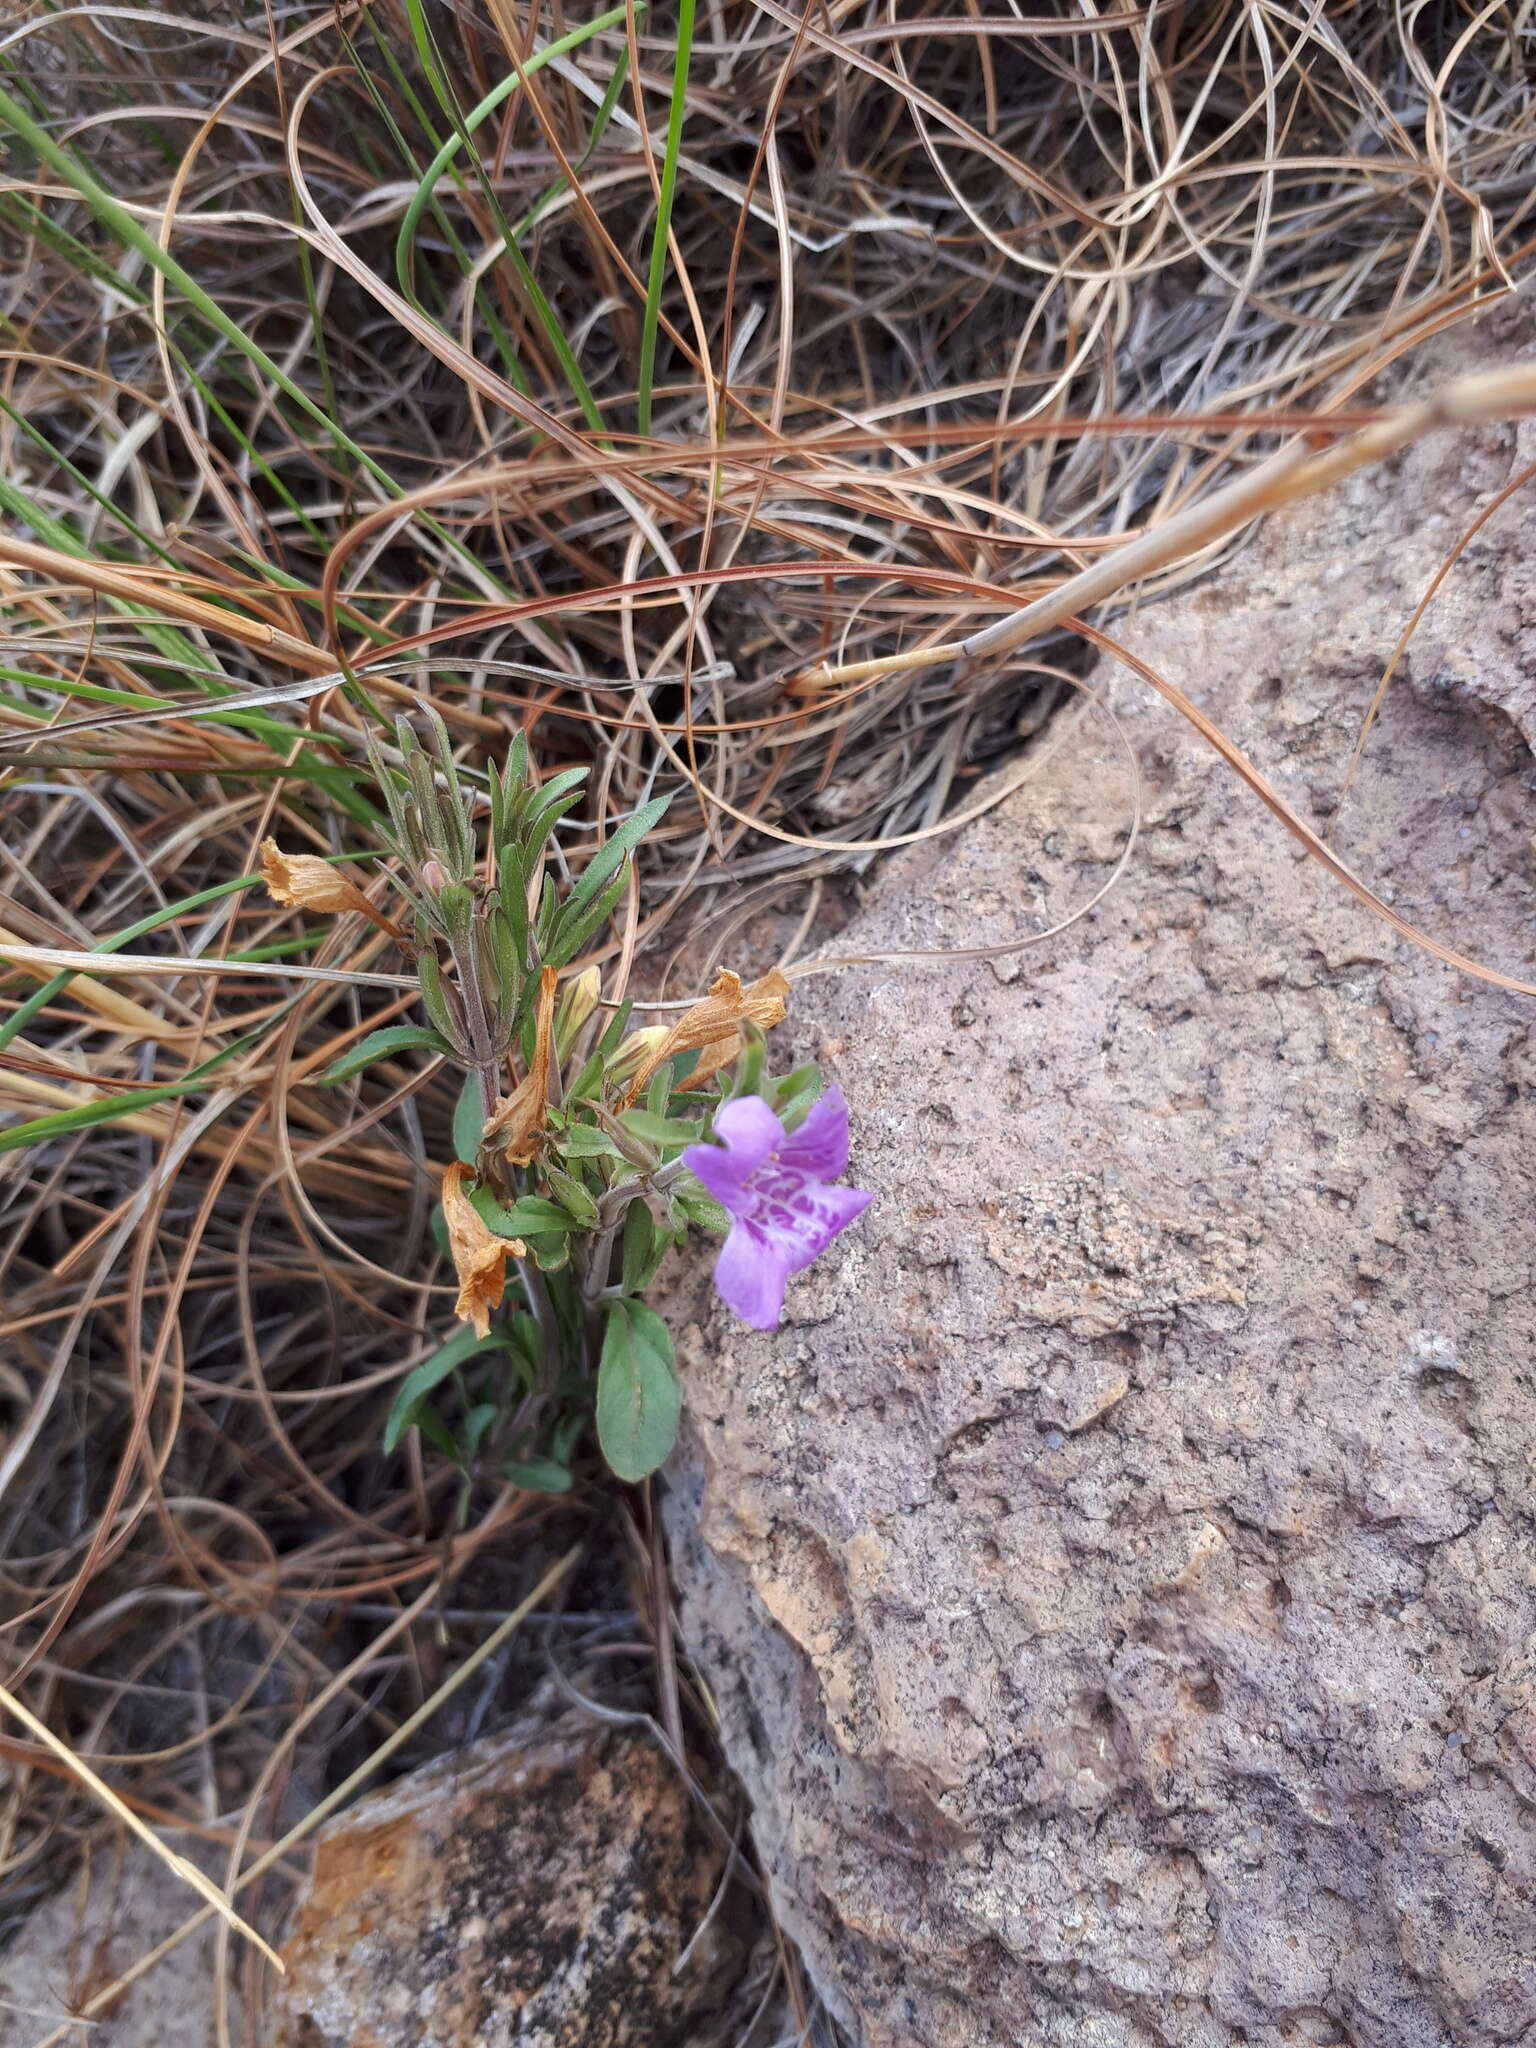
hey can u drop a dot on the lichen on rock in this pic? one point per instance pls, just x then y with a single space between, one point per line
541 1889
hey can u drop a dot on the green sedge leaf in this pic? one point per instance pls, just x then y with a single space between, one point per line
382 1045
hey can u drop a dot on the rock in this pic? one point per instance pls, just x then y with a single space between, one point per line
1118 1577
537 1889
121 1904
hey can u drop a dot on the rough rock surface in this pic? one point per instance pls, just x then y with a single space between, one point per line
536 1889
115 1910
1119 1576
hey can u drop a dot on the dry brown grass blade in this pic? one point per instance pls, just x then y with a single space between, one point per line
160 598
1293 473
104 2000
187 1872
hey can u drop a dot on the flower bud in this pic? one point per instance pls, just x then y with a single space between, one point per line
578 1000
633 1053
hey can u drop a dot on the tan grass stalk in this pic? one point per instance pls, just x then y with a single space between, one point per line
177 1865
1295 472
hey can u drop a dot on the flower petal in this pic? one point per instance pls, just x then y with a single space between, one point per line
820 1146
722 1175
750 1276
751 1130
803 1226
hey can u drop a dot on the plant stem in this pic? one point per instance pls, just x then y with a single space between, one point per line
487 1066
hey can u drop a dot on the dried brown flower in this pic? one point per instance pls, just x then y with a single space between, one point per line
713 1026
517 1129
308 882
479 1255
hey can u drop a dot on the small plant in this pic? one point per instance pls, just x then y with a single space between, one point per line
583 1150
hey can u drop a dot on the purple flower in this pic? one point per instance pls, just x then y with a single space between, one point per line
776 1189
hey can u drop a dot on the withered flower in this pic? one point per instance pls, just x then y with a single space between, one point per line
306 881
479 1255
713 1027
516 1129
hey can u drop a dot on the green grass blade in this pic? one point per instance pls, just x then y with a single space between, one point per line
652 321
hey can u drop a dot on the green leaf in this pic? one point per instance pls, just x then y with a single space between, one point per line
748 1076
433 995
658 1130
618 1025
639 1397
431 1373
476 1424
585 1141
605 863
380 1045
560 794
639 1247
528 1216
566 1434
548 913
526 1343
802 1086
439 1229
468 1121
438 1434
573 932
538 1475
550 1254
697 1207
